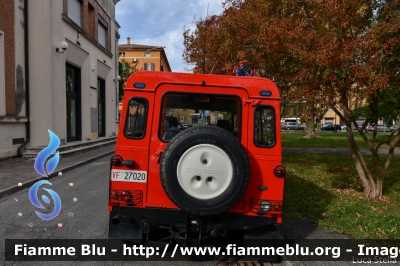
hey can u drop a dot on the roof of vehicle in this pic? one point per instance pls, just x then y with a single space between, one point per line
153 79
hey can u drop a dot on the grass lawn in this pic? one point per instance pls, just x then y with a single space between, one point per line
290 138
325 189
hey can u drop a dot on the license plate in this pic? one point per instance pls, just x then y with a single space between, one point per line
128 176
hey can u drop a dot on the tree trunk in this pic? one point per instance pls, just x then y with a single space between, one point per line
372 189
361 166
310 130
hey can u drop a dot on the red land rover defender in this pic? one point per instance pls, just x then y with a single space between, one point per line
199 155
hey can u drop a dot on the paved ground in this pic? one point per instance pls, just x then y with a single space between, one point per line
21 170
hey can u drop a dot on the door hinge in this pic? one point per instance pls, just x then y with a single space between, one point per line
253 103
159 154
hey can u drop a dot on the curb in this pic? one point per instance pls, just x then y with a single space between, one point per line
6 192
285 259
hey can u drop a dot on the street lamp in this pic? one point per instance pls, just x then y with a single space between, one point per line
154 48
64 46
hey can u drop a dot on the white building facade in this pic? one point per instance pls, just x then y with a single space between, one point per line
72 92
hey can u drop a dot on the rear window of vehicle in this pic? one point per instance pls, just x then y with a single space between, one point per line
135 122
183 110
264 127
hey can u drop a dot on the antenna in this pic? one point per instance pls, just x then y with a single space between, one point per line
208 4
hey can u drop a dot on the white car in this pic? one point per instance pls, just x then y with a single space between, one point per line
294 126
382 128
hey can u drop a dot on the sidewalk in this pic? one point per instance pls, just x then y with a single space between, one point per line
21 170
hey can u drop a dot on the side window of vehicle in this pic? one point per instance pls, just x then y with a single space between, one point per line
264 127
136 118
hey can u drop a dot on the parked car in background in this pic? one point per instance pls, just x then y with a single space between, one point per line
294 126
331 128
187 125
284 126
382 128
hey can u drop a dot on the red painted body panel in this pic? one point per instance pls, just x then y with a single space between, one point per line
146 151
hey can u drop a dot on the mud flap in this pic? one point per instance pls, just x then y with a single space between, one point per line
261 243
123 228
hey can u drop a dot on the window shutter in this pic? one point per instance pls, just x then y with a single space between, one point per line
75 11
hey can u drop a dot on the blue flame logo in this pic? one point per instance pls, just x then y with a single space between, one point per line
40 163
45 153
35 201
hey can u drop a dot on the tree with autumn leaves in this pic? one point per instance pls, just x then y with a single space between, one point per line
125 70
251 31
323 53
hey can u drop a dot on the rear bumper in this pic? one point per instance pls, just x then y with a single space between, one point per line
169 217
133 223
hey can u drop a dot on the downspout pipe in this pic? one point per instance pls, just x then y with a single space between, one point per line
26 50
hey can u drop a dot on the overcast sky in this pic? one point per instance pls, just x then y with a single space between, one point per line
161 23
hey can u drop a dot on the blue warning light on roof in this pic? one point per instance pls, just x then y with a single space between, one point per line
139 85
265 93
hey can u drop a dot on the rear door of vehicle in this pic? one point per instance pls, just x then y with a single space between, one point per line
133 145
265 153
157 197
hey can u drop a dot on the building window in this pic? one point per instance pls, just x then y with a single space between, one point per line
328 121
149 66
2 77
102 32
75 11
146 54
122 54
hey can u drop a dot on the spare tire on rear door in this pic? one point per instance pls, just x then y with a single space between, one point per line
204 170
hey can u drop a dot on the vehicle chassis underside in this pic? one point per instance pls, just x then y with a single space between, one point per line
136 225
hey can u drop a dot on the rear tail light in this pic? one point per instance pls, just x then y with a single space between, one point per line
266 207
125 197
277 207
280 171
116 160
114 195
